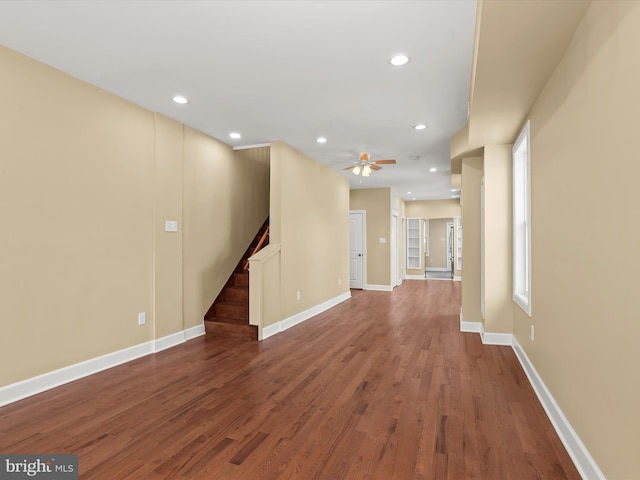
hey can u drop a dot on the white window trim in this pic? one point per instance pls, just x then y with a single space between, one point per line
522 298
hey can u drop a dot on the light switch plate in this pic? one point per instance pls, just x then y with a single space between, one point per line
171 226
382 240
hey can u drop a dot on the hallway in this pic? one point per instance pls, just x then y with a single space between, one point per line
383 386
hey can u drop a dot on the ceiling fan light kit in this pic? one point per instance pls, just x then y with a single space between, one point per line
365 165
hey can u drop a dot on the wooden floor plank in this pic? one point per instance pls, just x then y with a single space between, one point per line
383 386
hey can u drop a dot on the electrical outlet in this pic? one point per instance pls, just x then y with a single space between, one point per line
533 333
298 295
142 318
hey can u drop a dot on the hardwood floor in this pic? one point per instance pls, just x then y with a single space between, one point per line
383 386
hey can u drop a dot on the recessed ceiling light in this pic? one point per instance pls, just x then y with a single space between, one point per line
420 126
408 193
321 140
413 198
454 189
235 135
180 99
433 169
399 59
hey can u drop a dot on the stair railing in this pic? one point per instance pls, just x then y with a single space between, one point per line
261 243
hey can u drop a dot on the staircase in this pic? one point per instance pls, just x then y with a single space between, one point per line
229 314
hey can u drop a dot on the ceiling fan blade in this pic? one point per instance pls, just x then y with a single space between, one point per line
385 162
375 167
348 168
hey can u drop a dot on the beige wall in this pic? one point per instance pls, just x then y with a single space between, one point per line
87 181
377 203
76 196
226 199
498 306
167 246
433 208
471 177
584 127
310 203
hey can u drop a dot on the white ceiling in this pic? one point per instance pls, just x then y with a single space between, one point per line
277 70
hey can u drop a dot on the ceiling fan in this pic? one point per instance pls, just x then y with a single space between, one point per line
365 165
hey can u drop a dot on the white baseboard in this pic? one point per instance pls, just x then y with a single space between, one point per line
46 381
168 341
379 288
194 332
470 327
283 325
422 277
178 338
581 457
490 338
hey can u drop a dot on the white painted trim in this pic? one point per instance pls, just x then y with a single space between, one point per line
457 278
420 277
490 338
178 338
287 323
582 459
438 269
257 145
393 247
194 332
46 381
168 341
578 452
470 327
364 247
379 288
34 385
270 330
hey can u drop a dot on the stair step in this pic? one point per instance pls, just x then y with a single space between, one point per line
229 313
236 294
240 279
232 310
228 327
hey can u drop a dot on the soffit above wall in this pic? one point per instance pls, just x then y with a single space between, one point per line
518 46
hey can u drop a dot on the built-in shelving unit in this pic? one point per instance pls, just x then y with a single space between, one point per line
414 260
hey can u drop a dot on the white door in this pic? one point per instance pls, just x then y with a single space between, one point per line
356 249
394 250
